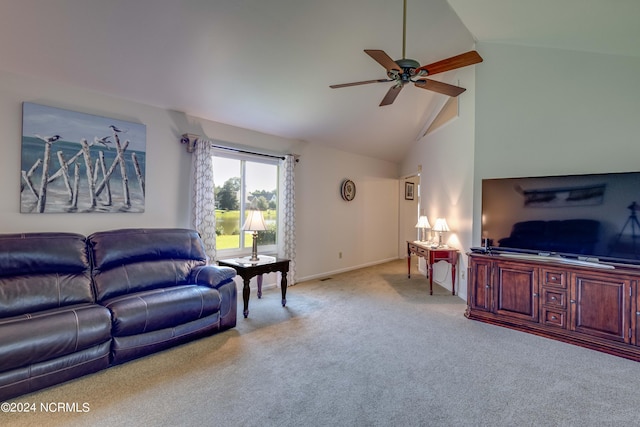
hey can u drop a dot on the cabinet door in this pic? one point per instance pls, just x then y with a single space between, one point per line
517 291
480 284
600 306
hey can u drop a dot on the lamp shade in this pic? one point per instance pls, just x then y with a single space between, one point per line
441 225
423 222
254 222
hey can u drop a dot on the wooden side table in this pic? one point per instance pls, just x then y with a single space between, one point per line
248 269
433 255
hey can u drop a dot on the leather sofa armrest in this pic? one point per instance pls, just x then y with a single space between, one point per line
220 278
212 276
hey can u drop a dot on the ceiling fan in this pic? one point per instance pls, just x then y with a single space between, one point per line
407 70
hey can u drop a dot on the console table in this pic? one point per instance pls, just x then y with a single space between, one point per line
433 255
248 269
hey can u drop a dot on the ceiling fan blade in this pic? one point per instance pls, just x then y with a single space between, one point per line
359 83
458 61
383 59
443 88
391 95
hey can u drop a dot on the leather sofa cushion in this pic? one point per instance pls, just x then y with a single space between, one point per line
32 293
49 334
133 346
143 312
141 276
117 247
41 271
44 374
135 260
41 253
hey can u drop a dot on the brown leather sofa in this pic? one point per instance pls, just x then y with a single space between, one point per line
71 305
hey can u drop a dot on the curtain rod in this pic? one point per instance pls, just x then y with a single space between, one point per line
237 150
190 140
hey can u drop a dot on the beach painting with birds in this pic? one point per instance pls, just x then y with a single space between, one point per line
75 162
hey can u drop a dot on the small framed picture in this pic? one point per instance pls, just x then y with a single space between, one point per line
408 190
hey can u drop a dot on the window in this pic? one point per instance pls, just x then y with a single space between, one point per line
243 182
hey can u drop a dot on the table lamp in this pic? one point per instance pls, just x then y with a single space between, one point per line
255 223
423 224
440 226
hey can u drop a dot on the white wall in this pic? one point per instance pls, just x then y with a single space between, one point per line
537 112
446 187
365 230
553 112
167 184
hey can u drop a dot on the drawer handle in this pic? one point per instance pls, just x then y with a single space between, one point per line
554 278
553 298
554 318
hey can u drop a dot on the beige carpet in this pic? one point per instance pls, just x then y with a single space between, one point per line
364 348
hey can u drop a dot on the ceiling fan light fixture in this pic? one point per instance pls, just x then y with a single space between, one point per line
393 74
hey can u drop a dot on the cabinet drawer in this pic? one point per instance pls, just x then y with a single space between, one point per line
554 298
556 318
440 255
555 278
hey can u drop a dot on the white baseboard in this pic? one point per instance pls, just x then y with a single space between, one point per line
344 270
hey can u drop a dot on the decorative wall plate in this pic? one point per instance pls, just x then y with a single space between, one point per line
348 190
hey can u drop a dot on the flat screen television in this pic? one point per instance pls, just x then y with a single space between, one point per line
593 217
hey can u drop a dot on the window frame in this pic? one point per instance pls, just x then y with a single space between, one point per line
254 158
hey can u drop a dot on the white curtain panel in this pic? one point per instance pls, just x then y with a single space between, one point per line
287 216
204 207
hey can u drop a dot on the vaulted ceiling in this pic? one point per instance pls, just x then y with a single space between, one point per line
267 65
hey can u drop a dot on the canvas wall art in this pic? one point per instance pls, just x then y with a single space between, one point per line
77 162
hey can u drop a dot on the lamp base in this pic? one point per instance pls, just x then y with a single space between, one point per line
254 249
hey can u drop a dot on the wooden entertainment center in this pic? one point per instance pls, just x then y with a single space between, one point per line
587 304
